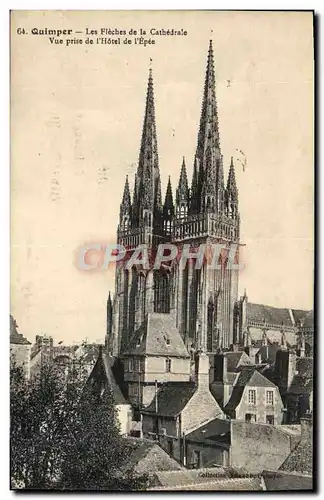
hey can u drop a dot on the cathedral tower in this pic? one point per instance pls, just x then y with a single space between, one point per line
201 299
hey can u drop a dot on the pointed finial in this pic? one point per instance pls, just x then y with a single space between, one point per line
232 164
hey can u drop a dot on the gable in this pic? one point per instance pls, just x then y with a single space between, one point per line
259 380
158 336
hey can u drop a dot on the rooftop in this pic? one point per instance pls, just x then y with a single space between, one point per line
172 397
158 336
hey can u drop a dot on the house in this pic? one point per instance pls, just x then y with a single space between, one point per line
209 445
254 398
156 354
179 408
19 348
104 376
294 377
86 356
224 371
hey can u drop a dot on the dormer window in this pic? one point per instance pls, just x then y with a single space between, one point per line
167 340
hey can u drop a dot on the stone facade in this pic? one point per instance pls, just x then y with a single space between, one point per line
255 399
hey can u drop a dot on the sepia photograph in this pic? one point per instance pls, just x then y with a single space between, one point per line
162 250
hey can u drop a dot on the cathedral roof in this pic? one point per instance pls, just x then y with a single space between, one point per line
158 336
272 315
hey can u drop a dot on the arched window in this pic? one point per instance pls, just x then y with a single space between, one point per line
210 325
161 292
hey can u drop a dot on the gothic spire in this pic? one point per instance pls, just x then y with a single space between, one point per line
149 188
126 206
108 338
210 183
182 194
168 202
231 183
194 187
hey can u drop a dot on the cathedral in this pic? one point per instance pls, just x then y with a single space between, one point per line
199 303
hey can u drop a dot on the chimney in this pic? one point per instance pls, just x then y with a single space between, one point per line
306 427
285 368
224 368
202 370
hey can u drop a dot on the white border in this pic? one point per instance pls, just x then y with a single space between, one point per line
4 170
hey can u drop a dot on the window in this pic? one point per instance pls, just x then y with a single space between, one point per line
269 397
130 365
252 396
197 459
136 365
250 417
170 447
168 365
270 419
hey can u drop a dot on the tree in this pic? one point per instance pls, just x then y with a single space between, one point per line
65 437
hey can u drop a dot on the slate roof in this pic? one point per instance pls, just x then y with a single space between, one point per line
172 398
15 336
218 484
305 317
89 353
248 377
216 431
272 315
286 481
159 460
300 459
309 320
103 372
158 336
236 359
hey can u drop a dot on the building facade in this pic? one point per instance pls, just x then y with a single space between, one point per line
201 300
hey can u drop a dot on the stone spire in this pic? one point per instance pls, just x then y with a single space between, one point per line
210 177
168 202
135 203
168 210
148 174
125 213
108 338
182 194
231 187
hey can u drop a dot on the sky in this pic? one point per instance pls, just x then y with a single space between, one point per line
76 119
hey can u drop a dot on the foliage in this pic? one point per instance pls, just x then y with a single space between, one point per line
66 437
